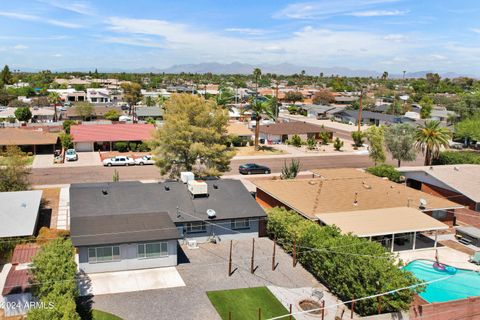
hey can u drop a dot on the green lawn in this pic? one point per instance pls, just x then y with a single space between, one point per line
244 303
102 315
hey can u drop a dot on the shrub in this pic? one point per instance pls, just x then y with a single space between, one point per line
338 144
291 170
387 171
66 140
360 268
236 141
311 144
23 114
143 147
296 141
458 157
67 124
120 146
324 136
132 146
357 137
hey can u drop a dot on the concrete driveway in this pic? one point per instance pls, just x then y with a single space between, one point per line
43 161
129 281
85 159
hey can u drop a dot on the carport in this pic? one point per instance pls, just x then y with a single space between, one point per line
29 140
397 229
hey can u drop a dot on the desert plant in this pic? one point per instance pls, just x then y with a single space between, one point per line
296 141
325 137
290 171
357 137
338 144
311 144
387 171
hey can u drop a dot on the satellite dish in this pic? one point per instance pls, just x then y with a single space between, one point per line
211 213
423 203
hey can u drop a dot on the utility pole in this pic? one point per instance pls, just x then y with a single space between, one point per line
360 111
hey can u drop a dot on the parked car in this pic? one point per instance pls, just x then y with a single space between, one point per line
147 159
250 168
71 155
119 161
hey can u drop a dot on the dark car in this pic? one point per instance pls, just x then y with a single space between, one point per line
250 168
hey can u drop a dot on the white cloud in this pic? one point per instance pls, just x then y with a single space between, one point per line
325 8
247 31
438 57
378 13
20 47
476 30
57 55
28 17
396 37
79 7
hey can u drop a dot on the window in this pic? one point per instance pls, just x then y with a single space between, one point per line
152 250
439 214
103 254
195 227
240 224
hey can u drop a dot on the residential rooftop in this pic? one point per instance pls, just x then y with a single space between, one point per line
19 213
111 132
291 127
20 137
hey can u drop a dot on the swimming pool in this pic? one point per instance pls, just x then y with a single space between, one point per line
463 284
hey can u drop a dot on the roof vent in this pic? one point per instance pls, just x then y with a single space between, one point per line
186 176
197 188
311 182
104 192
211 213
355 201
23 205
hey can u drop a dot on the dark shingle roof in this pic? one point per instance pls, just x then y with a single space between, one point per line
291 127
229 200
121 228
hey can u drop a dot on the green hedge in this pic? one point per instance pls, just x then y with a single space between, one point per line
458 157
352 267
385 170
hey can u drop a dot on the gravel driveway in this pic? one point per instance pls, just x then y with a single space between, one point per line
206 270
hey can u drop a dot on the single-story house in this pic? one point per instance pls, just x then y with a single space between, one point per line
319 112
355 195
143 113
134 225
17 295
240 130
345 100
19 213
459 183
70 95
43 114
98 113
368 117
101 137
34 141
282 131
98 95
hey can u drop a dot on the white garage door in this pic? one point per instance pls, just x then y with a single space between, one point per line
84 146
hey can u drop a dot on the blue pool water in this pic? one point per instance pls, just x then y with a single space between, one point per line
463 284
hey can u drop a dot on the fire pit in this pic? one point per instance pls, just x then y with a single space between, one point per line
309 304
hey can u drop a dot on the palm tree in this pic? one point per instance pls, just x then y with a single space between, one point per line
430 138
54 98
256 75
224 97
259 108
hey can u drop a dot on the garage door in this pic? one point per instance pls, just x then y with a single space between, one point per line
84 146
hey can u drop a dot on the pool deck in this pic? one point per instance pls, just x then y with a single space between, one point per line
446 255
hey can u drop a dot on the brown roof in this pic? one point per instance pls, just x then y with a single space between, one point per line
292 127
24 253
365 223
238 129
21 137
339 191
98 111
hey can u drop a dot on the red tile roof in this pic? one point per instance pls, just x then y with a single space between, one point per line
112 132
24 253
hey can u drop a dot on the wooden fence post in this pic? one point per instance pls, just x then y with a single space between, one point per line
253 256
230 260
353 307
273 256
294 252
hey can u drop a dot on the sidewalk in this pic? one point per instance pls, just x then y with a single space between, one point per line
302 155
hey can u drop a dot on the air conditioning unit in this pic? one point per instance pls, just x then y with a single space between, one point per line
192 244
197 188
186 176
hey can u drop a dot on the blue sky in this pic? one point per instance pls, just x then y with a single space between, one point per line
392 35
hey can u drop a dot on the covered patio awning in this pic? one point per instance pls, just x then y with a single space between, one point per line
378 222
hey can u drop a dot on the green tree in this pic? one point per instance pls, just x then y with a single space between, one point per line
132 94
224 97
54 280
112 115
84 110
291 170
67 124
338 144
54 98
293 96
23 114
468 129
192 138
149 101
375 136
6 76
400 142
14 170
430 138
357 137
66 140
427 104
15 103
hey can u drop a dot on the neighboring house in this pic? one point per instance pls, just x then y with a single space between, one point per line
441 114
143 113
34 141
19 213
319 112
101 137
98 95
134 225
368 117
281 132
361 203
345 100
459 183
70 95
97 114
240 130
17 295
39 115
